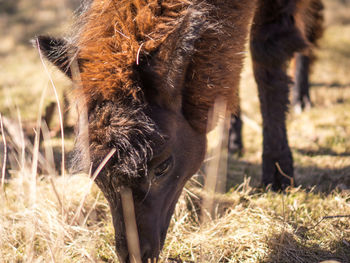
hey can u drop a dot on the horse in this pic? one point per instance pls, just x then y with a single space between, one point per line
150 73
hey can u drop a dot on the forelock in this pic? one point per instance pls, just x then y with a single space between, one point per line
126 128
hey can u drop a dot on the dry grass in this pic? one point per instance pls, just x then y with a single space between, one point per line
36 226
39 213
251 226
264 227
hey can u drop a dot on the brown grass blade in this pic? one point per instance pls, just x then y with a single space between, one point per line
132 236
3 172
218 124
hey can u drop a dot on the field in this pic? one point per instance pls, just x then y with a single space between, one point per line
49 215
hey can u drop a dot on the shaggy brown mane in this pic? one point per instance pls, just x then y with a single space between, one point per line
114 34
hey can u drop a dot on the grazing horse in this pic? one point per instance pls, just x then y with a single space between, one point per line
150 72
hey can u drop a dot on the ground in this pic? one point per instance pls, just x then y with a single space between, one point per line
50 218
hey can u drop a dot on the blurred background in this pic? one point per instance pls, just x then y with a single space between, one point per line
22 76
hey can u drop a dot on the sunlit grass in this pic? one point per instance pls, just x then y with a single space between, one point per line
265 227
40 231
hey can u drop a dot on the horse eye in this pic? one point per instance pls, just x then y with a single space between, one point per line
164 167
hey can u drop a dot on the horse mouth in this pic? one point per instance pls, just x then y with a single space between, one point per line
145 259
148 256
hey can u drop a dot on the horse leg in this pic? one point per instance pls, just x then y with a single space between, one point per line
312 26
235 144
274 40
301 96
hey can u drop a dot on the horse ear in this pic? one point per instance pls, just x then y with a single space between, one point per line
57 51
173 58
